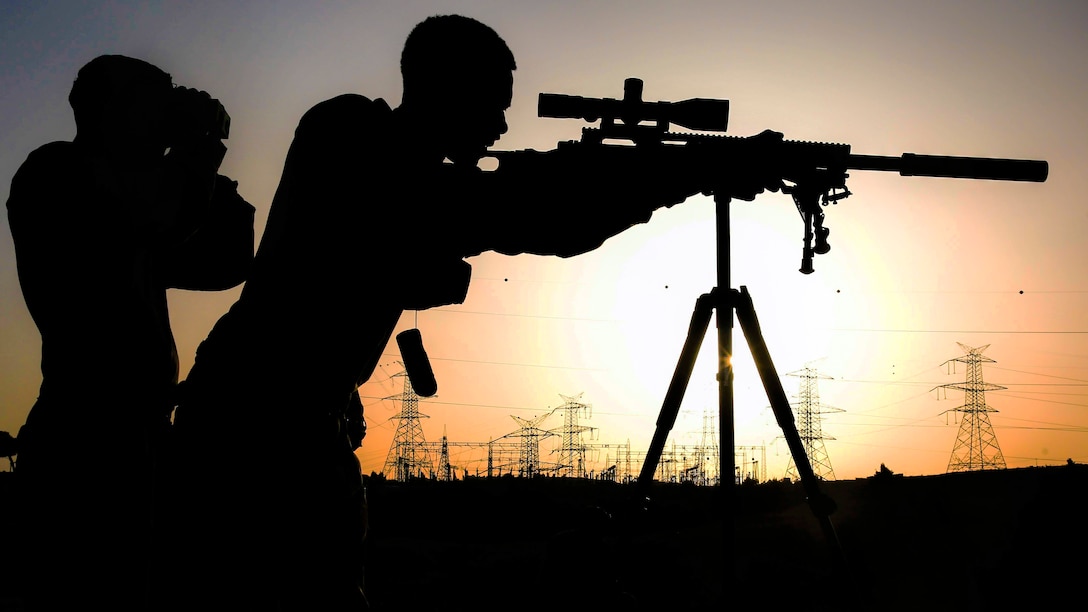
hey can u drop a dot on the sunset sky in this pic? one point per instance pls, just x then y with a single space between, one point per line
917 265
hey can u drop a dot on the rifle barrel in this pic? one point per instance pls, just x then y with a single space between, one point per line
911 164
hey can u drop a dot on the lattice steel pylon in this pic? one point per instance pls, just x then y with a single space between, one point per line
445 471
976 445
708 452
408 455
572 449
810 425
529 448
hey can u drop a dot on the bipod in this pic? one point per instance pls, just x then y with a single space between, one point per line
739 302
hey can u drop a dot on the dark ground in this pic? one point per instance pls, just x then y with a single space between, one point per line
998 540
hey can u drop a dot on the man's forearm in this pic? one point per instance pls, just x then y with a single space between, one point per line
219 253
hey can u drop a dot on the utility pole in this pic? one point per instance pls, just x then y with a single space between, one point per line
976 445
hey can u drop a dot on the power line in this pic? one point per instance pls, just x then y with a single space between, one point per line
1044 375
1071 428
523 316
832 329
953 331
1035 399
946 292
430 402
524 365
510 363
1047 384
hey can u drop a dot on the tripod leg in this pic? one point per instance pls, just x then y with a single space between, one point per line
670 407
822 506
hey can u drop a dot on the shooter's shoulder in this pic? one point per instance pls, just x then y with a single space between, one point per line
46 168
52 155
346 111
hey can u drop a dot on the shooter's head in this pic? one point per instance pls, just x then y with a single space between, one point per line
118 103
458 83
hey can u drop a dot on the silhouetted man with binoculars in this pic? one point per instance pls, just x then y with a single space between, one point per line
103 226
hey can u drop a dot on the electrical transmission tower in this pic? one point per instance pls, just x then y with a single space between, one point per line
529 449
445 472
408 455
572 450
976 443
708 453
810 426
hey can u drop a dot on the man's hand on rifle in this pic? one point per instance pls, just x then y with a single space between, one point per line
752 172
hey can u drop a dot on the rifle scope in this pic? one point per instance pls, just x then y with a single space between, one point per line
706 114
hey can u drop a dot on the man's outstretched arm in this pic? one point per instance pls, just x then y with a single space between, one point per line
567 202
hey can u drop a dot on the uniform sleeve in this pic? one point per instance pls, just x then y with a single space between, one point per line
561 203
219 254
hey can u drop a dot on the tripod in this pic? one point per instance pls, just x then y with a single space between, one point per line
724 302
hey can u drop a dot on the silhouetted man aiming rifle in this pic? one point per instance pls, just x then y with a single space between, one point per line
365 184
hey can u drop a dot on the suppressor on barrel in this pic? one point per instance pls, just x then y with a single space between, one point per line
911 164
